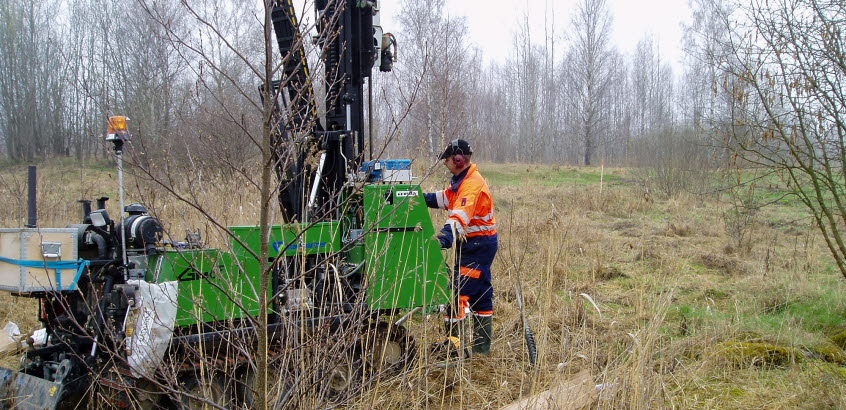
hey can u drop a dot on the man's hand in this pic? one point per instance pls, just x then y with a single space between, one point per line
445 238
446 243
447 234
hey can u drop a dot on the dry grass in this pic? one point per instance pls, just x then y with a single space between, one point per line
642 292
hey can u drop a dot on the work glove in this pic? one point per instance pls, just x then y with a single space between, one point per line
445 237
431 200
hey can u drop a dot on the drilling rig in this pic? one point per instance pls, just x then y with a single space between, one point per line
124 311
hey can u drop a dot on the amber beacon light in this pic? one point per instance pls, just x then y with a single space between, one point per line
117 129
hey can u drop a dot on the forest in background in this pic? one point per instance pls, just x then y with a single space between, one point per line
179 71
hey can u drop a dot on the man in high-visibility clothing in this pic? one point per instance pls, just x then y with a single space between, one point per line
471 227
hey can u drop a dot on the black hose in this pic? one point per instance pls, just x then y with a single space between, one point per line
101 315
530 345
102 247
352 272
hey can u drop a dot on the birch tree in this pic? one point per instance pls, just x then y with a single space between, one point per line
592 58
435 57
32 83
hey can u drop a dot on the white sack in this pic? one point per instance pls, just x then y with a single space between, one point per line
10 338
12 330
39 338
156 316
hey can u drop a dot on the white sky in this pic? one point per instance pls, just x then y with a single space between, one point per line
492 23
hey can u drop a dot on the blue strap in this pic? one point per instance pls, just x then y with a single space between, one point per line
79 265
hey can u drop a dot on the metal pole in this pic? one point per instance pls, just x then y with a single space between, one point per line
32 210
370 118
316 184
355 140
120 190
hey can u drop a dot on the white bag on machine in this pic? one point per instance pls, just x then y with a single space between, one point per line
153 316
10 338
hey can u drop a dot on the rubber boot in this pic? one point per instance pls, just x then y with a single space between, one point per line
482 331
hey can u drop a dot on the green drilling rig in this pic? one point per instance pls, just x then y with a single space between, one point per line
126 314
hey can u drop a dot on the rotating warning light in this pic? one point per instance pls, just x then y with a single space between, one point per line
117 129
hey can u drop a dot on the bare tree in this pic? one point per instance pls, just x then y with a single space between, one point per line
32 83
550 126
619 107
591 65
435 51
495 111
783 65
524 73
652 81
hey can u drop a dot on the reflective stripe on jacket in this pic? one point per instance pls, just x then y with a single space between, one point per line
469 202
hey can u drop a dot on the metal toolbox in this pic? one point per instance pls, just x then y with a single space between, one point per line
39 259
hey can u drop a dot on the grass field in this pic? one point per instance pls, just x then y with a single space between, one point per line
653 296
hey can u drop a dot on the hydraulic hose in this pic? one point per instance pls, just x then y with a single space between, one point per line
102 247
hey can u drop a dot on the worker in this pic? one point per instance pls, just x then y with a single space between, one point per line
471 227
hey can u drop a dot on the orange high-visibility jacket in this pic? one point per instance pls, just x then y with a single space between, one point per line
470 205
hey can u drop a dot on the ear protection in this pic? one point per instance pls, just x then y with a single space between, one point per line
458 159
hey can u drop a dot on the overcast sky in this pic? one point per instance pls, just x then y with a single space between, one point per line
492 23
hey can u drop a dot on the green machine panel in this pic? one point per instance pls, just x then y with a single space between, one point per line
209 288
405 264
215 285
292 239
289 240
